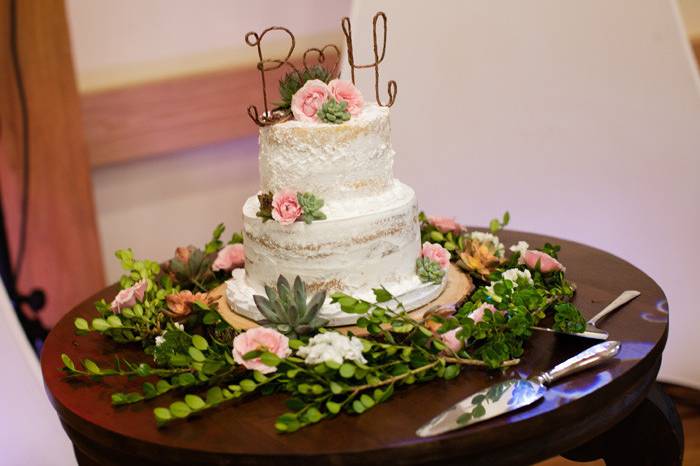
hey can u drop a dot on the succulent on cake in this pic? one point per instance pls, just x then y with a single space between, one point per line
429 271
288 206
433 263
334 112
287 309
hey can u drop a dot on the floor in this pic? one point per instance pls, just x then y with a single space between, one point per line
691 428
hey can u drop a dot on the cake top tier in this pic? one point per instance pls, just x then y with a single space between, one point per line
332 161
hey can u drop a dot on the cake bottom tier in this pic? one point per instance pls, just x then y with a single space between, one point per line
353 253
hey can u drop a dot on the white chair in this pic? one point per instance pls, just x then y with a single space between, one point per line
581 118
30 433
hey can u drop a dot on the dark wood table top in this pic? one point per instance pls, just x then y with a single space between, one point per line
574 410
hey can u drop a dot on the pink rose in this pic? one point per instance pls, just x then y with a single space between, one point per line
308 100
477 315
345 91
445 224
260 338
547 262
129 296
229 257
436 253
450 339
285 207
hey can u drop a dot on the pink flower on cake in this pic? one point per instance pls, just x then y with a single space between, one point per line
436 253
450 339
260 338
547 262
229 257
445 224
129 296
477 315
345 91
308 100
285 207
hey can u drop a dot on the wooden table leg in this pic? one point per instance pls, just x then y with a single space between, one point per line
651 436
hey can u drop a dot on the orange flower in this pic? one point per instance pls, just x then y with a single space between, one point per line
180 305
481 256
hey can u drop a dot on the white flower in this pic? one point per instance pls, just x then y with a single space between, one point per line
514 275
160 339
332 346
180 327
489 238
522 248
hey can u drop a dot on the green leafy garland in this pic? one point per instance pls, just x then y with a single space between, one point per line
192 356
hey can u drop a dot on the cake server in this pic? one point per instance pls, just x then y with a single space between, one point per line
591 330
513 394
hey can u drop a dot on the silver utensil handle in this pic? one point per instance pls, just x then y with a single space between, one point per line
624 298
585 359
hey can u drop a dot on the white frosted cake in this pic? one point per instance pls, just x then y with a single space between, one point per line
370 236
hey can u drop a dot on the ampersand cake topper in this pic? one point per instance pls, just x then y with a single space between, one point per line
298 75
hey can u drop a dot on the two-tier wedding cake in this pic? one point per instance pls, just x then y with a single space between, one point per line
330 210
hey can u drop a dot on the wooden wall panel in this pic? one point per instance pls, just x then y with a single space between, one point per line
63 254
174 114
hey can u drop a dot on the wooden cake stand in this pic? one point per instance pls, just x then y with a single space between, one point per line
459 287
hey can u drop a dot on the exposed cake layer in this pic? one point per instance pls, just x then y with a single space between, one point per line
346 252
330 161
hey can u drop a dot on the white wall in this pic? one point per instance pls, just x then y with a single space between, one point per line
581 118
129 41
586 114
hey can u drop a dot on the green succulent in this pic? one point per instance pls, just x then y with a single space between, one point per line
287 310
292 82
429 271
334 112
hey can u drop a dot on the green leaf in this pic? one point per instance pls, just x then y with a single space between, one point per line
214 396
366 400
195 354
347 370
81 324
333 407
270 359
186 379
149 390
200 342
382 295
100 324
247 385
358 407
162 415
210 318
451 371
67 361
336 388
195 402
313 415
91 367
163 386
143 370
114 321
180 409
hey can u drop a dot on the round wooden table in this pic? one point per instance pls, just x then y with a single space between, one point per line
613 412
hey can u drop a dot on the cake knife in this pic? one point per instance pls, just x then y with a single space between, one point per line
513 394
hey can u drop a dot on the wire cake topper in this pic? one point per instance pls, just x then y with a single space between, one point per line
278 115
378 57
